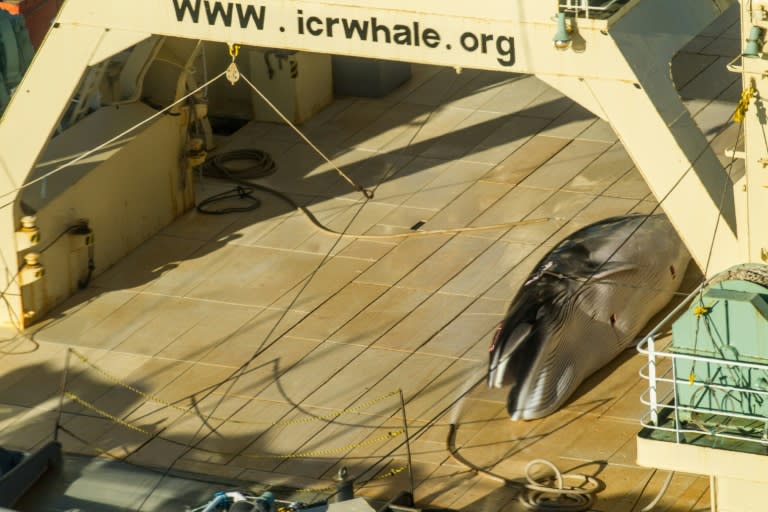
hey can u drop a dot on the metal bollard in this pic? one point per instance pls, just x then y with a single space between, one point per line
344 486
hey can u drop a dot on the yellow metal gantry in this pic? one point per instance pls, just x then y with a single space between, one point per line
616 66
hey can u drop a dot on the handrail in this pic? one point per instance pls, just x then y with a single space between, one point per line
722 387
677 431
669 399
703 359
585 5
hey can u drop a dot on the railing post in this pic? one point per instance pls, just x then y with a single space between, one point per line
652 398
675 402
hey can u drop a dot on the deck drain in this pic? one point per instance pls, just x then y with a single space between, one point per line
418 225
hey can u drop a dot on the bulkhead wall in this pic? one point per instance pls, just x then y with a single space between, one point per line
127 192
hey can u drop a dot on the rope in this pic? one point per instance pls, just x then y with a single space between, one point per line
469 388
660 495
110 141
105 414
186 476
539 493
264 166
301 421
316 490
725 188
448 231
366 192
327 451
389 474
237 193
298 455
309 215
450 445
542 495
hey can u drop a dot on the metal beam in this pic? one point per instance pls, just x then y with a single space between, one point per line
755 136
485 34
34 111
657 130
617 67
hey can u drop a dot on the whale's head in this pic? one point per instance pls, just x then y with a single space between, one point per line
582 305
522 343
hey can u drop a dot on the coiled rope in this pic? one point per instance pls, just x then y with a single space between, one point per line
547 493
259 165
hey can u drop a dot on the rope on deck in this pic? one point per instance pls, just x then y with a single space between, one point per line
547 492
297 455
299 421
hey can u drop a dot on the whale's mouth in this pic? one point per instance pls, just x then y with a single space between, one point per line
524 401
521 373
506 344
518 407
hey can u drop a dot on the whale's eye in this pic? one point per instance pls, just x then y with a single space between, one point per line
613 320
672 271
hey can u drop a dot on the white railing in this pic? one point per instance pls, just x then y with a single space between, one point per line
584 6
665 410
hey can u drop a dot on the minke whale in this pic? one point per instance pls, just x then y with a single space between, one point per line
578 309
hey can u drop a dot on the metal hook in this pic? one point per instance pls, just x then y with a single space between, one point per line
234 51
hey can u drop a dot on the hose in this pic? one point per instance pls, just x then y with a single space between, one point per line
237 193
660 495
263 165
455 455
219 167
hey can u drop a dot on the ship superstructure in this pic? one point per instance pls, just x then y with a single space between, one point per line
611 57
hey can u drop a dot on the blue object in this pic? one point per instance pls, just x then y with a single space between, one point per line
220 501
264 503
752 49
728 323
562 38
